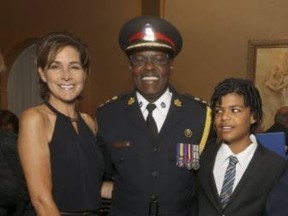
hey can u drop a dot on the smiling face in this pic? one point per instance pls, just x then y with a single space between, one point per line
151 71
64 76
233 120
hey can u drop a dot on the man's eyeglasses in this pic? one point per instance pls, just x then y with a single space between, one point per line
141 60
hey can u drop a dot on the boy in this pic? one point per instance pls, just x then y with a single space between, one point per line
252 170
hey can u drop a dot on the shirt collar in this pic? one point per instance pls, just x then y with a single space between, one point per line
162 103
225 152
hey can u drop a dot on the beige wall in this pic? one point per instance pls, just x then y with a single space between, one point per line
215 37
97 22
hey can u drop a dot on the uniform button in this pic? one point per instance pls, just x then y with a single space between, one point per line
121 159
153 198
156 149
155 173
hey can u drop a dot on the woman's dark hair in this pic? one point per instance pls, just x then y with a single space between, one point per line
7 117
47 48
242 87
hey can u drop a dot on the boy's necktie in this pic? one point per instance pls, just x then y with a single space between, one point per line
228 182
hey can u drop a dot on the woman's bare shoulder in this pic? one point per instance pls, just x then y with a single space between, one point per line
38 116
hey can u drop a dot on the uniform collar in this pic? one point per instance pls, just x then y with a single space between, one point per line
162 103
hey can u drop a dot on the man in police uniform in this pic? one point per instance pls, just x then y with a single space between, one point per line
153 171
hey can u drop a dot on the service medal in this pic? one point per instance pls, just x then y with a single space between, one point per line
195 157
180 155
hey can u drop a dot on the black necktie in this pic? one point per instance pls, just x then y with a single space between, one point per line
151 124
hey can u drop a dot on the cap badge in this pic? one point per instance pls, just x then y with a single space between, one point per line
131 101
177 103
148 33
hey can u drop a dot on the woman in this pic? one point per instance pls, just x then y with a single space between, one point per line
62 164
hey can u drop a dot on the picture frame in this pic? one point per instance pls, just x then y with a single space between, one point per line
267 67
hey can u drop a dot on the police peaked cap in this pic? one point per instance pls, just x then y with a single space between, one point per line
150 33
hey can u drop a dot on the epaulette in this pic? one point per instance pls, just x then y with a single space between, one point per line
200 100
206 130
208 121
114 98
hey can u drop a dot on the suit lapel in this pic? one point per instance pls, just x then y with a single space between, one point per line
251 172
134 113
209 184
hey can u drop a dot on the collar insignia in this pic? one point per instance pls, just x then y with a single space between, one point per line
131 101
177 103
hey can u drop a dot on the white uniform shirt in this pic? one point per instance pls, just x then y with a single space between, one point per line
161 110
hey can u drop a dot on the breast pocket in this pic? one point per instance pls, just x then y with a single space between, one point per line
124 156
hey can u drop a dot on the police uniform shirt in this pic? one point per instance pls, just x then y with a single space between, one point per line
161 110
222 161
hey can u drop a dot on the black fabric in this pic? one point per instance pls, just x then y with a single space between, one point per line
276 204
13 192
150 121
77 165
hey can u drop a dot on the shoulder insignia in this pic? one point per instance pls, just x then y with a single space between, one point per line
208 122
200 100
109 100
114 98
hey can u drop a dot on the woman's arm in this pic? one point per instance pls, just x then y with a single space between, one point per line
35 159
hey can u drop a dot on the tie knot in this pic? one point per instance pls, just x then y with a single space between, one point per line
233 160
150 107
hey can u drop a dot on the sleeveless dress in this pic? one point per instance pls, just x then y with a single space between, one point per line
77 165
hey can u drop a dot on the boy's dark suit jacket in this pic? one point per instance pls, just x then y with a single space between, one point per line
249 197
277 204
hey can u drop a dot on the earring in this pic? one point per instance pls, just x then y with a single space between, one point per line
171 67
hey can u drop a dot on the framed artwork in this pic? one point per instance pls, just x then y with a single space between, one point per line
268 69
